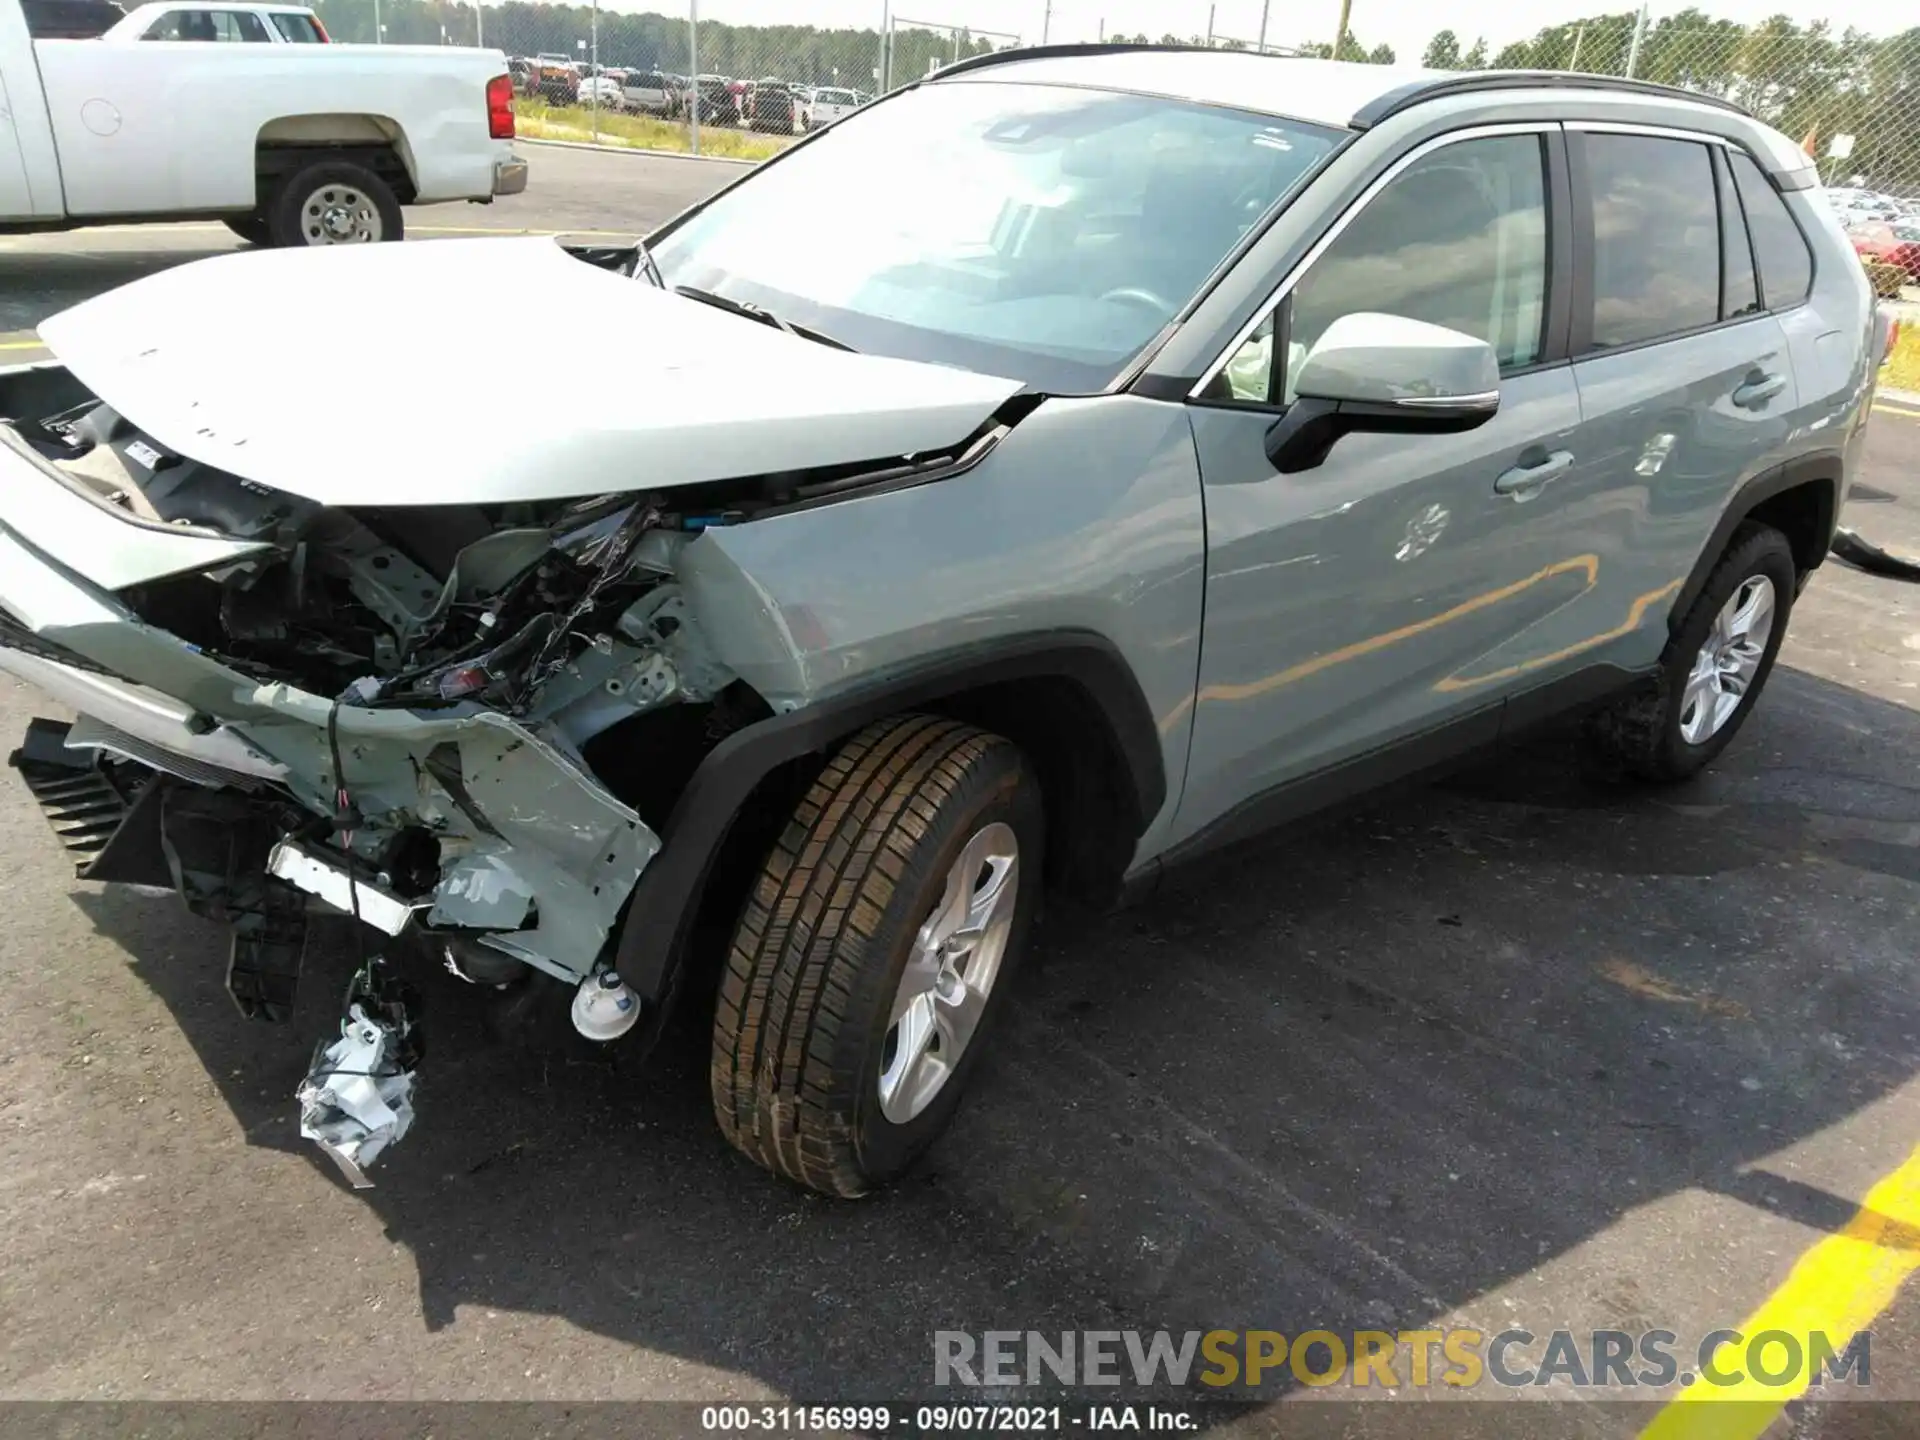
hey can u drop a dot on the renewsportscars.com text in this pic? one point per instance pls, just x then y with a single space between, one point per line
1457 1358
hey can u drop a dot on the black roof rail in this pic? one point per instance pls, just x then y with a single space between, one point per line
1475 81
1054 52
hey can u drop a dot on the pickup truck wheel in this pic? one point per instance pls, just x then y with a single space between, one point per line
874 953
334 203
251 228
1714 667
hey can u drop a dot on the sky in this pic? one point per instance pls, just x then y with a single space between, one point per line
1406 25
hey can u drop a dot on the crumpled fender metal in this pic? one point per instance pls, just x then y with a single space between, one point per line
663 900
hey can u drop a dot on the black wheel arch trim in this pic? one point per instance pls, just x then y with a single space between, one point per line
1823 467
665 898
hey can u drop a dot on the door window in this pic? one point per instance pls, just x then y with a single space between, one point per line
1656 238
1739 289
1458 238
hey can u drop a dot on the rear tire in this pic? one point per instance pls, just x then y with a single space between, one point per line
334 202
1710 676
852 1013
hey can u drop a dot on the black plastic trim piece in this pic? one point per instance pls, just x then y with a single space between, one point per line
1477 82
1824 467
663 901
1580 300
1562 269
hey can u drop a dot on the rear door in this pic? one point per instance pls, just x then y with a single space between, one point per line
1686 387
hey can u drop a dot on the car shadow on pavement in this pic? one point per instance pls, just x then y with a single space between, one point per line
1355 1077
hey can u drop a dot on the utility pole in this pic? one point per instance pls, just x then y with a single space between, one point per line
1210 10
379 30
1340 35
697 94
1579 37
1046 22
1265 6
1633 50
593 67
479 26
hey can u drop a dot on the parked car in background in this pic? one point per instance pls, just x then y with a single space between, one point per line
772 107
603 91
649 92
289 144
1895 244
719 100
70 19
825 105
243 24
556 79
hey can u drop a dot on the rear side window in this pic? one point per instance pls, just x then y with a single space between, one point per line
299 29
209 26
1779 249
1656 238
1740 291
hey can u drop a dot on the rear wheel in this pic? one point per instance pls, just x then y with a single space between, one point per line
334 202
1715 665
874 953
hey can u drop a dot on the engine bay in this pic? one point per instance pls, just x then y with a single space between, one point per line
561 611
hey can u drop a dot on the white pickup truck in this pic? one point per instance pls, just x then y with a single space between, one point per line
296 144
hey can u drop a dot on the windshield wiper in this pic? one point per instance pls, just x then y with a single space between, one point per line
646 268
756 312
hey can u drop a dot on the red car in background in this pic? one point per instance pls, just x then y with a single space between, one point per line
1895 243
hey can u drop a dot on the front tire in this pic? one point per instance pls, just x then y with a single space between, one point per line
334 203
1714 666
874 953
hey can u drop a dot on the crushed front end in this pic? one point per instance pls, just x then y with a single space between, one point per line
424 717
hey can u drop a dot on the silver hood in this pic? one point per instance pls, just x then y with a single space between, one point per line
485 371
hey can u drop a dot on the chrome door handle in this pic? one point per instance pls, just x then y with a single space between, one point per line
1757 391
1523 482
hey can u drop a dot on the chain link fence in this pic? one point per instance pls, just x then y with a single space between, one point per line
661 81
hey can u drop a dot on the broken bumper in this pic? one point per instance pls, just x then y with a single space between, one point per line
535 858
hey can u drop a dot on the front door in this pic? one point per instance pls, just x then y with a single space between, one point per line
1350 607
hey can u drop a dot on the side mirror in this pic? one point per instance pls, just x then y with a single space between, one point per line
1379 372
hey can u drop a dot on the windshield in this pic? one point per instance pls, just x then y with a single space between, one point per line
1041 233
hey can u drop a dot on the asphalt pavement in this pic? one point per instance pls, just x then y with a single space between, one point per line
1528 1047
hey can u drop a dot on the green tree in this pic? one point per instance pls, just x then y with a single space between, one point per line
1443 52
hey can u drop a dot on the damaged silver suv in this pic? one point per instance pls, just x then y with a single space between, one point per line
1055 470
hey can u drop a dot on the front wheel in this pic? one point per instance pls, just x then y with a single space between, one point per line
334 203
874 953
1715 665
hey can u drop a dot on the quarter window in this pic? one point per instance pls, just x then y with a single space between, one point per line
1656 238
296 29
1780 250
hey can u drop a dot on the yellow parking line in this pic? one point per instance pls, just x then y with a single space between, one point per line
1835 1289
21 345
1887 409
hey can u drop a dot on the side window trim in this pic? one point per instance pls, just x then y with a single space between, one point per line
1276 301
1733 216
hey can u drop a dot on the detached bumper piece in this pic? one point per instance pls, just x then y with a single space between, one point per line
105 814
357 1098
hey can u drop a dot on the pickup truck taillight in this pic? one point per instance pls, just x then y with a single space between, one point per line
500 107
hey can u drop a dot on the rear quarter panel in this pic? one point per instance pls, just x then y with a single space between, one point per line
164 128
